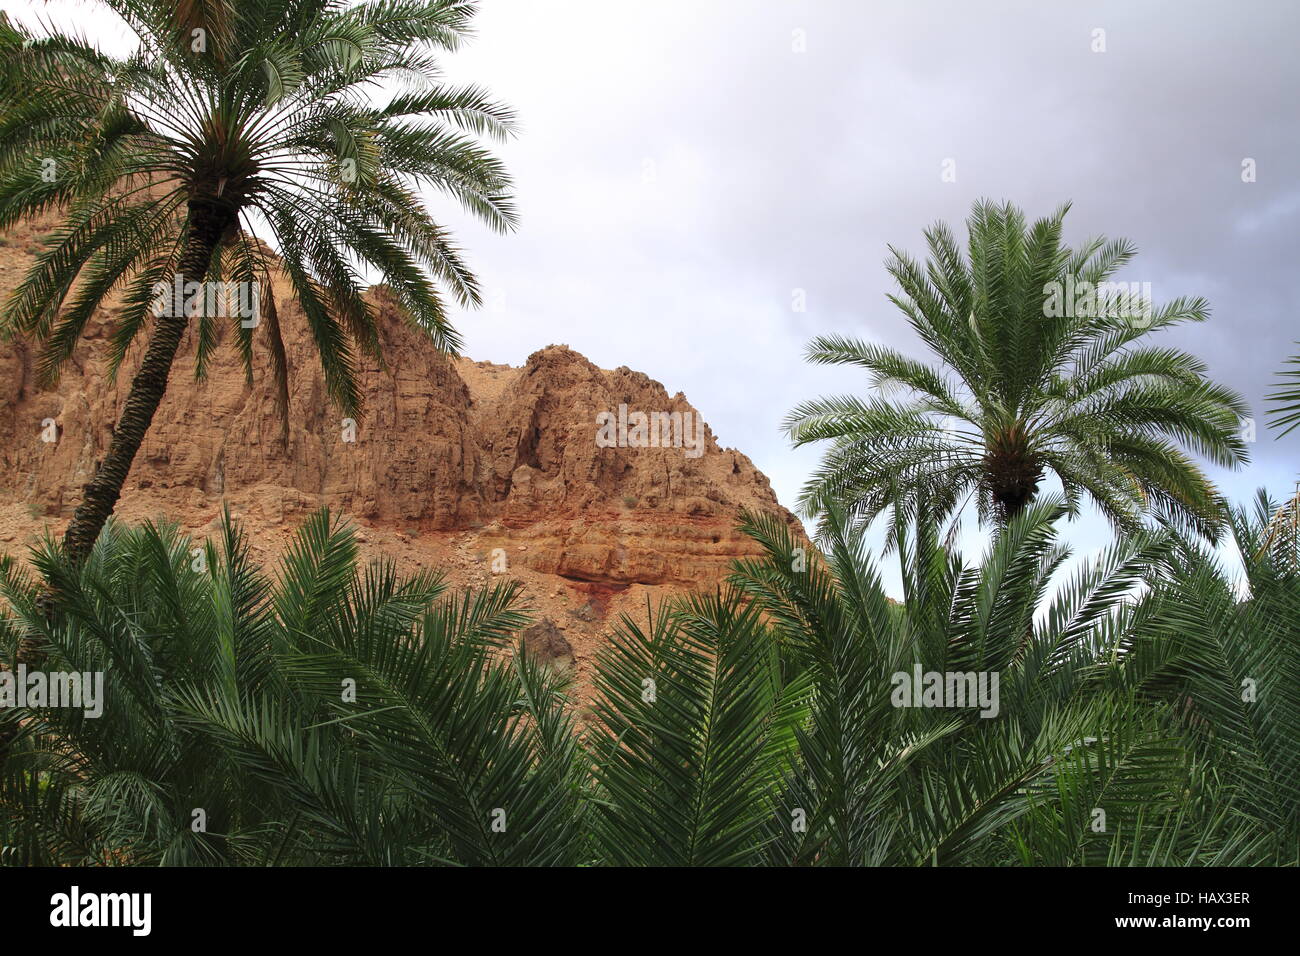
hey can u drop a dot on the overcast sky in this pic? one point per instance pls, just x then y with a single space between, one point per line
684 166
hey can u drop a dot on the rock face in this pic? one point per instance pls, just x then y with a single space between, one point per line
616 515
445 445
478 468
546 643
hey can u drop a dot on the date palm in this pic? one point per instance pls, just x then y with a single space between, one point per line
233 123
1042 370
1224 648
329 713
1285 399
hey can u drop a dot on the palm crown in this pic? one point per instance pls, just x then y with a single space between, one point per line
230 120
1042 371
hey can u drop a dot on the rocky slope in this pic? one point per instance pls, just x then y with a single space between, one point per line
475 468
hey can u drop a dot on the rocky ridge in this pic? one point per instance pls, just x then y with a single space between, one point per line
474 468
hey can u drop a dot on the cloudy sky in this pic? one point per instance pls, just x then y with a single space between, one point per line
685 165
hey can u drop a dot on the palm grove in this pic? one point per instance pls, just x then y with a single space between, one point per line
1149 706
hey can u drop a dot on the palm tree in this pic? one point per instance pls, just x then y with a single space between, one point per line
333 714
878 783
1286 397
1285 524
232 120
1225 651
720 740
1042 371
695 728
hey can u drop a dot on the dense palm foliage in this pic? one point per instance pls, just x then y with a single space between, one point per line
1286 397
1042 370
335 716
232 123
344 715
1285 400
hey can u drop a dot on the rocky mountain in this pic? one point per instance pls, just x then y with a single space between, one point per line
539 472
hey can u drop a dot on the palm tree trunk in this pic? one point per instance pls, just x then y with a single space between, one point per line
1013 470
207 222
1012 505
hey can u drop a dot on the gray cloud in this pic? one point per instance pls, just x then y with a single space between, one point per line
776 170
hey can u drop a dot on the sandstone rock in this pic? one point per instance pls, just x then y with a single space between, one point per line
446 445
545 642
450 454
586 612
